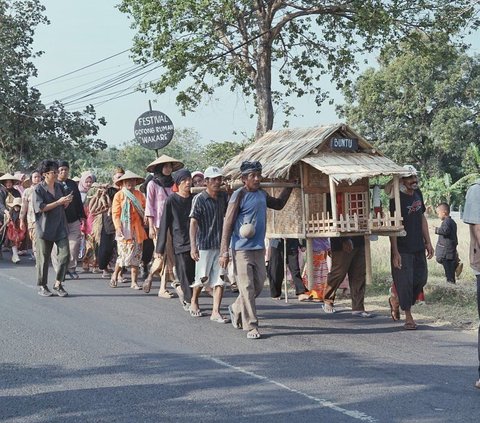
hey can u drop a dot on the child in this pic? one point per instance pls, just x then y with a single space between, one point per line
14 233
446 249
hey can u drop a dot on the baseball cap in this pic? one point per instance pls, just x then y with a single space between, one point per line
212 172
409 171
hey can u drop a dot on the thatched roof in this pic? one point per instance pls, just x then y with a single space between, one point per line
353 166
278 151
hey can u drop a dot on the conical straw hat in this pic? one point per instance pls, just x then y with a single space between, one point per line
130 175
176 164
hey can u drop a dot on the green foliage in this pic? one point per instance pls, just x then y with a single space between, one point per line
219 153
185 146
29 131
202 45
421 106
438 189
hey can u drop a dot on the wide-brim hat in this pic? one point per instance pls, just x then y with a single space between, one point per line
176 164
9 177
130 175
16 202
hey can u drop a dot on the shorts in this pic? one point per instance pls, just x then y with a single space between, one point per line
207 269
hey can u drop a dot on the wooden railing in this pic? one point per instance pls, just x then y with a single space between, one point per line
322 223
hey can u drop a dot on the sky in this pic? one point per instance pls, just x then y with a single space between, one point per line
83 32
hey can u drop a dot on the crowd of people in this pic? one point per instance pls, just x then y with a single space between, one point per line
155 227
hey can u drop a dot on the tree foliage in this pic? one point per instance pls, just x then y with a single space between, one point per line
30 131
271 50
421 106
185 146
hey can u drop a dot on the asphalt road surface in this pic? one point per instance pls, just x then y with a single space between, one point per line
119 355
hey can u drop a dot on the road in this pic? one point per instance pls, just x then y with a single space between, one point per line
118 355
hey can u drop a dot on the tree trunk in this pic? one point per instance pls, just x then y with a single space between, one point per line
263 90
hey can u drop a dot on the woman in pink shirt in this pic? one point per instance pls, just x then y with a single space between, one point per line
158 190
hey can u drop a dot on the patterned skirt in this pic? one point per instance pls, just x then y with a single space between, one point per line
129 253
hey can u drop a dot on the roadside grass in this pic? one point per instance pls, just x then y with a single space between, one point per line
444 303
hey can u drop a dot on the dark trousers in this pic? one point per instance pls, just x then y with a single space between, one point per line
105 249
185 267
449 267
44 252
411 278
147 252
276 271
354 265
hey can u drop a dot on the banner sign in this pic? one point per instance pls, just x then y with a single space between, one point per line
153 130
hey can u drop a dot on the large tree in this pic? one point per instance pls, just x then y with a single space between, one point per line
30 131
421 106
273 49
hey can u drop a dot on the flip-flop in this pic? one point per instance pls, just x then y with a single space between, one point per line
410 326
165 294
304 297
147 285
196 313
233 319
219 319
394 310
364 314
253 334
186 306
329 309
113 283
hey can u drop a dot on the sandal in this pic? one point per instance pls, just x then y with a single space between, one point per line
219 319
328 308
196 313
394 309
304 297
165 294
410 326
147 284
253 334
233 319
113 283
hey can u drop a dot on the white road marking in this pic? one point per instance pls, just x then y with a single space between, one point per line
359 415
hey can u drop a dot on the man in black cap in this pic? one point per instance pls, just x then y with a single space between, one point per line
176 219
244 231
75 213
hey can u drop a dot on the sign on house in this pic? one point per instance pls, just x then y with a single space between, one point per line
344 144
153 129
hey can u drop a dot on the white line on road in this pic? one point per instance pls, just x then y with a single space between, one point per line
323 402
13 278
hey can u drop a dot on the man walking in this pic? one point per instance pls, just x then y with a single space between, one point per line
244 230
75 214
175 219
409 264
471 216
348 258
206 224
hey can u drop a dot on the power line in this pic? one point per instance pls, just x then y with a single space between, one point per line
82 68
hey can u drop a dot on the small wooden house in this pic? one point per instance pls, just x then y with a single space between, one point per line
328 162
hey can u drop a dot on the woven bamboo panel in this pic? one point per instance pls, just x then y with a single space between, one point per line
289 219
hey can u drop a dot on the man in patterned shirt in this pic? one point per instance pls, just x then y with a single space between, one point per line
206 224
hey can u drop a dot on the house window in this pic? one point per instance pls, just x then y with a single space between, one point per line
357 203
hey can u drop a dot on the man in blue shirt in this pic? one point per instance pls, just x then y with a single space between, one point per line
244 231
